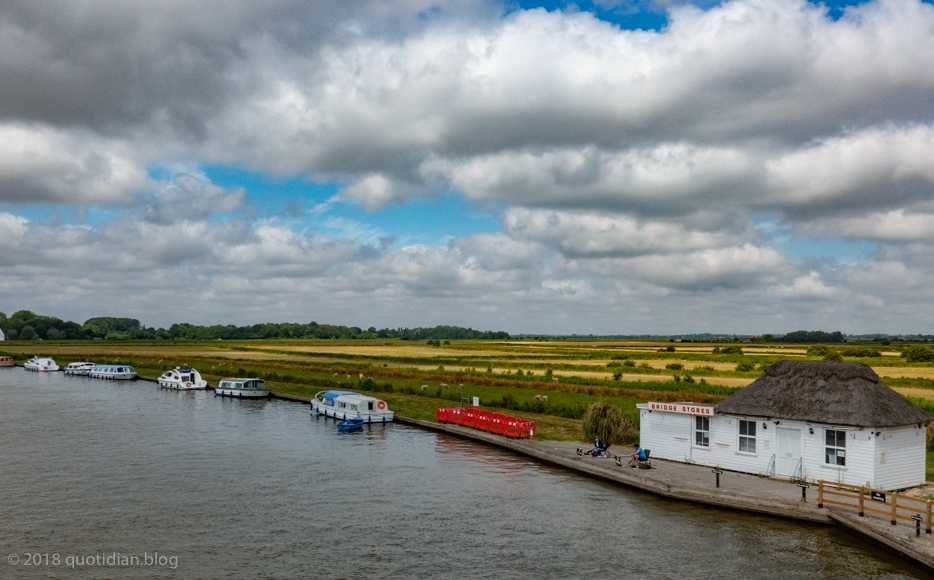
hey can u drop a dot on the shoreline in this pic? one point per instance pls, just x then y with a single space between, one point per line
862 528
859 527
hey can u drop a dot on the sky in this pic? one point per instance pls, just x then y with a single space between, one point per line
605 167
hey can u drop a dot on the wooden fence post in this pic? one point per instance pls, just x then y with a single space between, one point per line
894 507
928 526
862 497
820 493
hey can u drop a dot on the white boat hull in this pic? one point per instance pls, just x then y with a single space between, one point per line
175 385
187 386
77 373
342 415
41 368
242 393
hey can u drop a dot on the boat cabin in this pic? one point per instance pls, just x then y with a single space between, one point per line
116 372
7 361
230 383
804 420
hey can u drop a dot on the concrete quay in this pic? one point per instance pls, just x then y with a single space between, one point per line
695 483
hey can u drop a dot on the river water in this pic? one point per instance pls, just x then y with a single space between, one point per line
96 473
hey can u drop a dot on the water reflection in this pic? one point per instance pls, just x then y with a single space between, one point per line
257 489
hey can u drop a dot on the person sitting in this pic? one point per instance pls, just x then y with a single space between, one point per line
637 456
598 448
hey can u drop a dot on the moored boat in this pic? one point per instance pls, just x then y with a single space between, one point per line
79 368
354 424
113 372
349 405
41 364
182 380
242 388
7 361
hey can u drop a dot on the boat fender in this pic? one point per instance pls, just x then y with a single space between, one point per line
381 405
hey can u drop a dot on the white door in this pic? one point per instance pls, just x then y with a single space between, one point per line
787 451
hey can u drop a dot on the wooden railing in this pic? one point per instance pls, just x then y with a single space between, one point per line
865 499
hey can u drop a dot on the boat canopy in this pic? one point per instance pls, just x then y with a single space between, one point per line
335 394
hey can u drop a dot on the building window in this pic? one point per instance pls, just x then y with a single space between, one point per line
702 431
834 447
747 436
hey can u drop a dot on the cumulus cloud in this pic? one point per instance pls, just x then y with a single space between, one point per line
579 234
626 166
46 164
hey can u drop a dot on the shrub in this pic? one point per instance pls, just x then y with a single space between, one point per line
674 366
617 376
646 366
916 353
716 350
833 355
688 379
670 348
609 424
732 349
745 367
629 363
818 350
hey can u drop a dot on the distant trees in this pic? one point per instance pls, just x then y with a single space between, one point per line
811 336
38 326
113 328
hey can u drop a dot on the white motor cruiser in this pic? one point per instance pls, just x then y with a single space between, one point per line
182 380
345 405
113 372
41 364
79 368
242 388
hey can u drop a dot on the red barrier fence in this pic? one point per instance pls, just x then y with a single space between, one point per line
488 421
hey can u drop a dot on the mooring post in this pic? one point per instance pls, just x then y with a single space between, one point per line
716 472
820 493
862 497
917 518
804 491
927 527
894 507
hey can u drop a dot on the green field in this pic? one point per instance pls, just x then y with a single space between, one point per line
506 375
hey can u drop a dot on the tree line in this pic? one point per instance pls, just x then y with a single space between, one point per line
25 325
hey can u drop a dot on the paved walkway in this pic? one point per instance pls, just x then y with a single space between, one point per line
697 476
696 483
877 527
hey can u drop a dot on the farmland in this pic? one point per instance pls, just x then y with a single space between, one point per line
506 375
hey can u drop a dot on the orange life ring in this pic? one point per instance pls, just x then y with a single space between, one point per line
381 405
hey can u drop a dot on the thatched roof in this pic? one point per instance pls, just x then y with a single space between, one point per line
838 393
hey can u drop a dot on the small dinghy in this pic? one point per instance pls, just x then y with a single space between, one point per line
351 424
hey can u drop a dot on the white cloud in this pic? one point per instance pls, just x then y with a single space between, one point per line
580 234
45 164
626 165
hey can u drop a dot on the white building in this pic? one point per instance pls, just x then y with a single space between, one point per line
810 420
2 337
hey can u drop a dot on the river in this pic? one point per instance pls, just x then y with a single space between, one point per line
95 473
